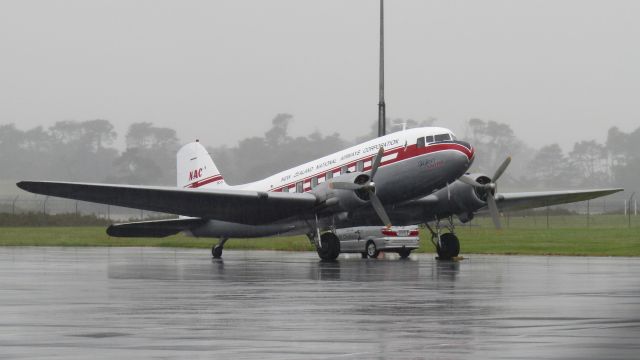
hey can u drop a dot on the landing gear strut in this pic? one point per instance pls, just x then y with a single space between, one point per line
447 244
216 250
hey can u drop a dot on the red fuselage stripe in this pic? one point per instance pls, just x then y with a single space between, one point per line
204 181
409 152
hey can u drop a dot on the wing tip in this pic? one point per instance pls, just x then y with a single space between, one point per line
24 185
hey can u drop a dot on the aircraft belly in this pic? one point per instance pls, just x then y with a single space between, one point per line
215 228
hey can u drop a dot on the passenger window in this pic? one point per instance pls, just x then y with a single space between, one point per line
443 137
420 142
314 182
299 187
344 170
360 165
285 189
330 175
430 139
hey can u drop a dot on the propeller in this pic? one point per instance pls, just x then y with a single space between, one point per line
490 190
370 188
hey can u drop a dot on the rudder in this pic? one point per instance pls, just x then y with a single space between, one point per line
195 168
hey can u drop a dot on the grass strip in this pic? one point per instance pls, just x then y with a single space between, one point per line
478 240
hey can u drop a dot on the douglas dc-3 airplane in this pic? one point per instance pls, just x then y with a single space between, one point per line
420 177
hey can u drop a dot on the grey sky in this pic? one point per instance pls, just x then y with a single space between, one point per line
556 71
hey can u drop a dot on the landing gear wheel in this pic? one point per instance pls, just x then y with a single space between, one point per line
372 250
216 252
404 253
449 246
330 248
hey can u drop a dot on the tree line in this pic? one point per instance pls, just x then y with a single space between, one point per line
85 151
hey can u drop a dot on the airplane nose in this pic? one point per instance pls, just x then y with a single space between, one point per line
466 155
466 149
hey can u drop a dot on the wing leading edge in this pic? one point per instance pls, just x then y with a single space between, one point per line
528 200
238 206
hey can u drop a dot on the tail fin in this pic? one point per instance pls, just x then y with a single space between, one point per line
196 169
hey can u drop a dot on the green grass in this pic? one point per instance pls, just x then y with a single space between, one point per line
608 235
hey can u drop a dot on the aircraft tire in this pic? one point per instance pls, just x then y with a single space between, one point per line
449 246
330 246
372 250
216 252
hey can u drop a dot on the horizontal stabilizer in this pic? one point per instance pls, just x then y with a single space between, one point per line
155 228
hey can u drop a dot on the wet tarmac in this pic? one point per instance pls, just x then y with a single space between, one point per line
105 303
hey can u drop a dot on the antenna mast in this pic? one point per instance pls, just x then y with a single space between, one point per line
381 105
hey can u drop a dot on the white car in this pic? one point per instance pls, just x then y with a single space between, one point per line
371 240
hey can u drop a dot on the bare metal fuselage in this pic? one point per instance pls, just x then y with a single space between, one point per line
396 183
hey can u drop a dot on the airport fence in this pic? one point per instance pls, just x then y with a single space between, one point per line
23 204
618 210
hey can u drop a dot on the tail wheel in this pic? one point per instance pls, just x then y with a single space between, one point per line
330 246
449 246
372 250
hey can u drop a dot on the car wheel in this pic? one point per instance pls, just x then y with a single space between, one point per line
372 250
404 253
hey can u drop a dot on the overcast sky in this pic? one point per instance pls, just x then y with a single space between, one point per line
556 71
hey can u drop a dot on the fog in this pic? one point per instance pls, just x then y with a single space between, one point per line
555 71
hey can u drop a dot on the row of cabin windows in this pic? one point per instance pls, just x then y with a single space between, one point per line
422 141
329 175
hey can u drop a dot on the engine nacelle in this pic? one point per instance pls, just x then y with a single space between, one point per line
345 200
462 199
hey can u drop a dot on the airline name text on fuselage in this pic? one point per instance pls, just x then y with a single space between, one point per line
334 162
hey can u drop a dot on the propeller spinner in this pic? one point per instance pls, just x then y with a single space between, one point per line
370 188
490 189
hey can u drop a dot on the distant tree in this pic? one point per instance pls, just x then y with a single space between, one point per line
277 135
624 155
133 167
493 142
144 135
79 149
150 156
258 157
590 162
550 168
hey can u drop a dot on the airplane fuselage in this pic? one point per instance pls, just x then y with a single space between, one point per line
410 169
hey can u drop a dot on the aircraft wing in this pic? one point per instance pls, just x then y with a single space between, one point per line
239 206
528 200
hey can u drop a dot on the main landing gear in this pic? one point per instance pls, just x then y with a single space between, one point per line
328 247
447 244
216 250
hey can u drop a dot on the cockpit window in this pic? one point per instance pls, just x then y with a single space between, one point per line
430 139
420 142
443 137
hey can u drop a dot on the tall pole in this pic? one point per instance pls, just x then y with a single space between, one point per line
381 105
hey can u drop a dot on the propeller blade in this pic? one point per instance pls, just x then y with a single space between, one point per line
470 181
493 209
501 169
376 163
379 209
340 185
